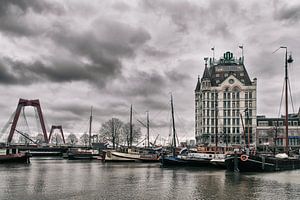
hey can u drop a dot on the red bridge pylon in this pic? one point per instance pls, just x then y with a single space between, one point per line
23 103
61 131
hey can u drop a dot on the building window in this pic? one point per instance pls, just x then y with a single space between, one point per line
250 112
238 139
281 123
295 123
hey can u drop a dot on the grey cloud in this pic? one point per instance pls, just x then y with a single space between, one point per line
212 19
109 39
121 6
289 14
94 55
155 52
26 5
57 71
176 76
5 76
13 16
143 84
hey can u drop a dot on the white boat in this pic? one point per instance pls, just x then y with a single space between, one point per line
115 156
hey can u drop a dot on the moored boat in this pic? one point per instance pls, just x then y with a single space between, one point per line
12 155
150 155
261 163
81 154
116 156
253 162
194 159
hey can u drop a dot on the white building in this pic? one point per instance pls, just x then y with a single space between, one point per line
225 103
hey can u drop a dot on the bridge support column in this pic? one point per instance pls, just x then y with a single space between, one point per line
23 103
61 131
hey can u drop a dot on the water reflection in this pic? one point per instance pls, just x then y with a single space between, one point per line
63 179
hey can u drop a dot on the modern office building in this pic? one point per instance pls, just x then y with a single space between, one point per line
225 103
271 133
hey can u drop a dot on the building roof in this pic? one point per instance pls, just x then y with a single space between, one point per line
221 69
206 74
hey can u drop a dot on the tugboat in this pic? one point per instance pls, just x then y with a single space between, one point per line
12 155
250 161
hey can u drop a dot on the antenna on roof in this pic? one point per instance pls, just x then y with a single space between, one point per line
206 58
242 47
213 50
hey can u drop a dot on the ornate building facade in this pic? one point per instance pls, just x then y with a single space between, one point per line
225 103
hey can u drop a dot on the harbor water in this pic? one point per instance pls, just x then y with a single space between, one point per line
57 179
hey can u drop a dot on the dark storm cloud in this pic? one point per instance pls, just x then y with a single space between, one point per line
18 72
103 47
25 5
13 16
288 13
5 76
94 55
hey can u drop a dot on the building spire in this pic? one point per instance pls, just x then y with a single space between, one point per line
198 86
206 74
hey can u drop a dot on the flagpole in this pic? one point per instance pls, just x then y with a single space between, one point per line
213 50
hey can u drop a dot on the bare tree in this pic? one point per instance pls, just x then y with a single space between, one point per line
84 139
72 139
111 130
40 138
23 139
136 133
56 139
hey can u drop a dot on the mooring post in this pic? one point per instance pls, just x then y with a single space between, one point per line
236 168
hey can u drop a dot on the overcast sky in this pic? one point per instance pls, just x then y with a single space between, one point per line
74 54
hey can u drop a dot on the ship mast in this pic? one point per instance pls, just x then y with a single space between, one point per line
286 105
216 123
148 127
173 123
130 128
287 60
90 128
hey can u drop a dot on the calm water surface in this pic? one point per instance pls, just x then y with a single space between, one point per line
63 179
